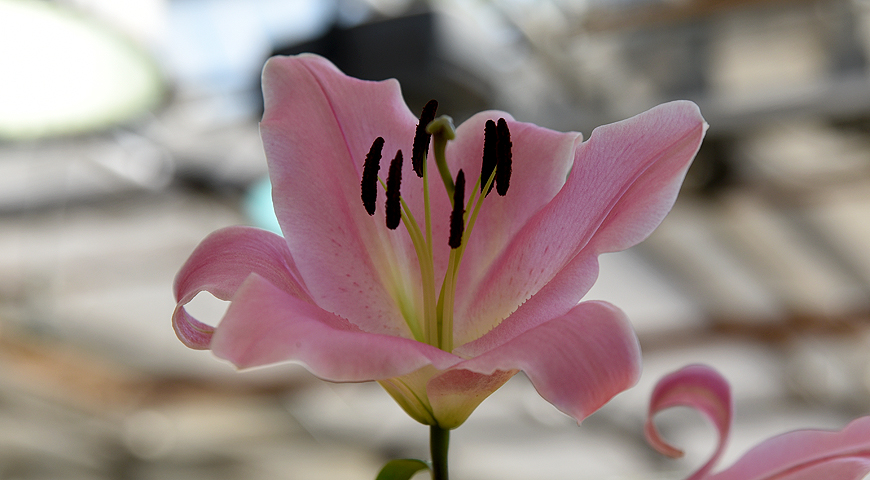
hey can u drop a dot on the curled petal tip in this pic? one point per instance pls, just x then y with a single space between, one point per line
192 333
698 387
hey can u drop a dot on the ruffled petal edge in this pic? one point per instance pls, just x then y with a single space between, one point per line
219 265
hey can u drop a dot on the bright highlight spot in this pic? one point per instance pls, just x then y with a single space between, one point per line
64 73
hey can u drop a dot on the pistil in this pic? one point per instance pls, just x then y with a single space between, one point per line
443 131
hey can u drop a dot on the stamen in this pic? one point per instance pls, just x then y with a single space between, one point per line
369 183
421 138
503 154
490 138
394 198
457 222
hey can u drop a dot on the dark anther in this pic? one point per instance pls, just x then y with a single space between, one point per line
369 184
394 199
503 155
457 223
490 138
421 137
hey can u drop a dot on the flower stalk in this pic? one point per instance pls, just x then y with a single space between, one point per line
439 441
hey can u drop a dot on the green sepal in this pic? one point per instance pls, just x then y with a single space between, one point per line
402 469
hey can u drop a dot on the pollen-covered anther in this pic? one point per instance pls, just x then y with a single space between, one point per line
421 138
394 198
369 183
490 138
503 158
457 222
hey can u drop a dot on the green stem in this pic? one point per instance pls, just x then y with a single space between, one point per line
439 441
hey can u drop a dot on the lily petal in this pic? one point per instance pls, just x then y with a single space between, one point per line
807 455
577 362
220 264
623 182
266 325
698 387
317 128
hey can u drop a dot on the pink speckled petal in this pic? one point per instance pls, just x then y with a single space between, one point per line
623 182
317 128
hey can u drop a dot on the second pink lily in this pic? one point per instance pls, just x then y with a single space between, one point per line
798 455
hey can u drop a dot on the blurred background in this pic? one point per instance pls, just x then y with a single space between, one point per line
128 132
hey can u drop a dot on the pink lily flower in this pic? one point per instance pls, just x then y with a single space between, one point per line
440 317
798 455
